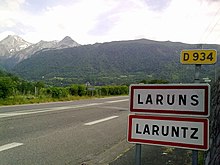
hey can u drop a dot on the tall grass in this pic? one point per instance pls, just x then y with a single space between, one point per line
30 99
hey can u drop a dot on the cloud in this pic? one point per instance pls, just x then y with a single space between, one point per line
157 5
187 20
93 21
57 21
11 5
11 13
124 20
107 19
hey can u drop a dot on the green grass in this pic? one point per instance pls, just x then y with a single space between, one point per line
30 99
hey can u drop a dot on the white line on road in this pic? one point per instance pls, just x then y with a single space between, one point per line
34 111
116 101
10 145
115 108
101 120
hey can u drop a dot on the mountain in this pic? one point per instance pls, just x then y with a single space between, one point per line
11 59
112 63
29 51
11 45
66 43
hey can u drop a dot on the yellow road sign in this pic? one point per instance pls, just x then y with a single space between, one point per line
198 56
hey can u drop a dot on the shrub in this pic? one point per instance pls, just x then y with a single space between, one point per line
58 92
6 87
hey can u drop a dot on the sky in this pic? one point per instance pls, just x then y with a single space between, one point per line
92 21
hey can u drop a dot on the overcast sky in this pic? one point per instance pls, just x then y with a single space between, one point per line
91 21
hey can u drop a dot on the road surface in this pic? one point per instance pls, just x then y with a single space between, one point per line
75 132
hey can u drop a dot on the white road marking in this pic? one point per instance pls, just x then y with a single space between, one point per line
101 120
116 108
116 101
105 98
34 111
26 112
9 146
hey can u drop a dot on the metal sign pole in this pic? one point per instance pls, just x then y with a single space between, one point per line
198 57
197 73
138 154
196 80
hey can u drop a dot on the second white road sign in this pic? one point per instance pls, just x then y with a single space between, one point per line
190 133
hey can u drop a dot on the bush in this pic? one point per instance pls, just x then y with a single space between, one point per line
73 90
6 87
114 90
57 92
104 91
81 90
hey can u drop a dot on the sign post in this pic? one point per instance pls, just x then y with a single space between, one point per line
196 80
177 100
137 154
198 57
173 114
195 153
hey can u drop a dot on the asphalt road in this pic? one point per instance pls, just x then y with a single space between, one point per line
77 132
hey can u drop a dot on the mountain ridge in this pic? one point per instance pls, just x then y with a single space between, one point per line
113 62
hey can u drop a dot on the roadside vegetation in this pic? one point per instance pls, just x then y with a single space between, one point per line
15 91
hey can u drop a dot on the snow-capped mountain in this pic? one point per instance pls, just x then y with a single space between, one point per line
12 44
44 46
13 49
67 42
29 51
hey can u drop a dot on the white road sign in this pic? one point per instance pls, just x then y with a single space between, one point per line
190 133
174 99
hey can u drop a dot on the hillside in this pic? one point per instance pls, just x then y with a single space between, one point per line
112 63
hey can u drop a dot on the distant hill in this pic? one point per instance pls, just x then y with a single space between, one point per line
112 63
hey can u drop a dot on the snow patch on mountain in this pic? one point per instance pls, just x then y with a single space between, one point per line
14 49
12 44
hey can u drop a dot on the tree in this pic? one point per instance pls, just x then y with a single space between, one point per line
155 81
40 84
25 87
81 90
73 90
58 92
6 87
